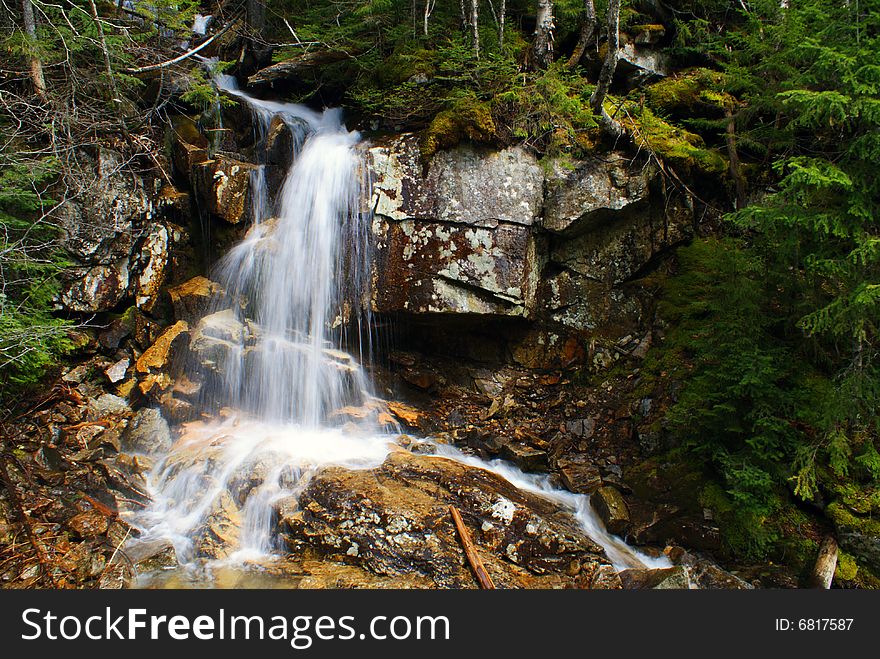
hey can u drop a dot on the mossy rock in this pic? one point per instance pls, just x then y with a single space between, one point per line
671 143
859 535
468 119
690 92
847 568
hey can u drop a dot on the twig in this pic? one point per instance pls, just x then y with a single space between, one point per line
42 558
470 551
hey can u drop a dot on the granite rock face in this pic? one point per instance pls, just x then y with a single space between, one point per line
121 232
481 233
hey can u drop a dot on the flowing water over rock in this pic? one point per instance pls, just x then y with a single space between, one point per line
283 394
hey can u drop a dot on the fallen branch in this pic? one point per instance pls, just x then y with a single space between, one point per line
470 551
186 55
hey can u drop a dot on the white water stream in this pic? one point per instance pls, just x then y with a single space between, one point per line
289 400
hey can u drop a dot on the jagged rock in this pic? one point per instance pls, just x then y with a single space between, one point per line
99 288
192 298
216 337
117 371
101 223
158 356
579 474
104 226
188 146
613 252
223 186
610 506
154 257
109 405
594 192
218 536
525 457
704 574
147 433
89 524
661 579
394 520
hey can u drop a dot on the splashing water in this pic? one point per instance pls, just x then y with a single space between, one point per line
285 397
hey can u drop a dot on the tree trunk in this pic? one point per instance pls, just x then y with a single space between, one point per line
36 65
735 172
588 29
501 24
543 46
823 571
256 15
610 63
429 7
475 25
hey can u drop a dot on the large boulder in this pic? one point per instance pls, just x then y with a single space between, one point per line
456 236
581 197
395 520
464 185
223 187
117 232
432 267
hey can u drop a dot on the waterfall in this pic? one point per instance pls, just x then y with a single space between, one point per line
281 395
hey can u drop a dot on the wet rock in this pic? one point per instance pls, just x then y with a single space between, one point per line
218 536
158 356
579 474
595 191
192 298
660 579
394 520
525 457
217 338
89 524
223 186
611 507
140 557
147 433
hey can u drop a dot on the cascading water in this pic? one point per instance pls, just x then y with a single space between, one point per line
284 396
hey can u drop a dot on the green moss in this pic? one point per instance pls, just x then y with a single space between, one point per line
844 519
847 568
468 118
671 143
689 92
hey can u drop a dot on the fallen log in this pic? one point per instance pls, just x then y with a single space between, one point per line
826 563
470 551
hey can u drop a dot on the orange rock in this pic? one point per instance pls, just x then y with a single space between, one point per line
156 356
409 415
